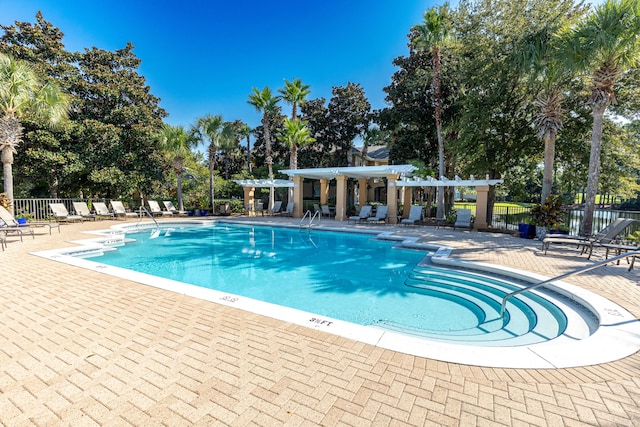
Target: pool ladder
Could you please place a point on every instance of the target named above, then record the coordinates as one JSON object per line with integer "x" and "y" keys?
{"x": 571, "y": 273}
{"x": 311, "y": 219}
{"x": 156, "y": 232}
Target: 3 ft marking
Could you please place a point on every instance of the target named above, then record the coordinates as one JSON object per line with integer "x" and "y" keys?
{"x": 229, "y": 298}
{"x": 320, "y": 322}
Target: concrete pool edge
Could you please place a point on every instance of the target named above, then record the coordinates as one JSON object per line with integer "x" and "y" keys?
{"x": 618, "y": 337}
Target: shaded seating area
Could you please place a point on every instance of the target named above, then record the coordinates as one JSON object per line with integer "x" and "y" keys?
{"x": 289, "y": 210}
{"x": 365, "y": 212}
{"x": 60, "y": 213}
{"x": 119, "y": 210}
{"x": 82, "y": 209}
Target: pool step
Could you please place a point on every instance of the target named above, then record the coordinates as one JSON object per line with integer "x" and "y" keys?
{"x": 529, "y": 318}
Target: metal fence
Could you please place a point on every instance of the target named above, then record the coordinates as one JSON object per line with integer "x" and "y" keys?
{"x": 38, "y": 209}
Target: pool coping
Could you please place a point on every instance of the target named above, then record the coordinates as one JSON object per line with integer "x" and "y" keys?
{"x": 617, "y": 337}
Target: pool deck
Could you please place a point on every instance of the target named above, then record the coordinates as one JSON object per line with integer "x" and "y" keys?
{"x": 81, "y": 348}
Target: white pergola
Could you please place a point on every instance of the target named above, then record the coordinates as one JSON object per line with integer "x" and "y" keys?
{"x": 396, "y": 176}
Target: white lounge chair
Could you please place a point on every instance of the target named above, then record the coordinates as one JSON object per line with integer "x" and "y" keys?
{"x": 365, "y": 211}
{"x": 82, "y": 209}
{"x": 415, "y": 215}
{"x": 11, "y": 224}
{"x": 380, "y": 216}
{"x": 156, "y": 210}
{"x": 61, "y": 213}
{"x": 463, "y": 219}
{"x": 102, "y": 211}
{"x": 168, "y": 204}
{"x": 119, "y": 210}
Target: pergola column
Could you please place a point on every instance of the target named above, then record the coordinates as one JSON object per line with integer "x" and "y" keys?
{"x": 298, "y": 193}
{"x": 362, "y": 191}
{"x": 482, "y": 201}
{"x": 324, "y": 191}
{"x": 341, "y": 198}
{"x": 392, "y": 198}
{"x": 408, "y": 199}
{"x": 249, "y": 194}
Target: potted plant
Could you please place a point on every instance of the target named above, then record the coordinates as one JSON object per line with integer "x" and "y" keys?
{"x": 547, "y": 215}
{"x": 527, "y": 230}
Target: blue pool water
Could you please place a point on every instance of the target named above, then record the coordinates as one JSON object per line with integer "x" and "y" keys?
{"x": 350, "y": 277}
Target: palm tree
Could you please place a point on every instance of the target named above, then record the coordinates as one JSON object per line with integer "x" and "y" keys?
{"x": 432, "y": 34}
{"x": 22, "y": 93}
{"x": 220, "y": 135}
{"x": 540, "y": 61}
{"x": 295, "y": 135}
{"x": 294, "y": 93}
{"x": 244, "y": 131}
{"x": 266, "y": 103}
{"x": 606, "y": 44}
{"x": 177, "y": 144}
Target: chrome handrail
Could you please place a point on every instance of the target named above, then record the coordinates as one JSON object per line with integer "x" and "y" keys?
{"x": 143, "y": 209}
{"x": 311, "y": 218}
{"x": 562, "y": 276}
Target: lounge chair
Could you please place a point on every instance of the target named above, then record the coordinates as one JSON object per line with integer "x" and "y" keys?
{"x": 275, "y": 210}
{"x": 326, "y": 211}
{"x": 155, "y": 209}
{"x": 463, "y": 219}
{"x": 289, "y": 210}
{"x": 10, "y": 223}
{"x": 82, "y": 209}
{"x": 415, "y": 215}
{"x": 168, "y": 204}
{"x": 102, "y": 211}
{"x": 605, "y": 236}
{"x": 61, "y": 213}
{"x": 119, "y": 210}
{"x": 380, "y": 216}
{"x": 365, "y": 212}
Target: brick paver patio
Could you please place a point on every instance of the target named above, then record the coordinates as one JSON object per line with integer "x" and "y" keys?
{"x": 81, "y": 348}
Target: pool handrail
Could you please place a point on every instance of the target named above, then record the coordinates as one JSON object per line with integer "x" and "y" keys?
{"x": 311, "y": 218}
{"x": 562, "y": 276}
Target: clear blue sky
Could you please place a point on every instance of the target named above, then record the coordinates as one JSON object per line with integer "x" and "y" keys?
{"x": 203, "y": 57}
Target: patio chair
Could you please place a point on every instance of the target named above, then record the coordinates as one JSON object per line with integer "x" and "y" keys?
{"x": 275, "y": 210}
{"x": 60, "y": 213}
{"x": 326, "y": 211}
{"x": 119, "y": 210}
{"x": 10, "y": 223}
{"x": 82, "y": 209}
{"x": 102, "y": 211}
{"x": 463, "y": 219}
{"x": 155, "y": 209}
{"x": 365, "y": 212}
{"x": 415, "y": 215}
{"x": 605, "y": 236}
{"x": 289, "y": 210}
{"x": 168, "y": 204}
{"x": 380, "y": 216}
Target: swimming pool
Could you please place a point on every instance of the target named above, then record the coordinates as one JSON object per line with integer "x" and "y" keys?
{"x": 368, "y": 289}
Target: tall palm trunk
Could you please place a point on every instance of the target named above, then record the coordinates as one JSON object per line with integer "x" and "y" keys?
{"x": 212, "y": 159}
{"x": 10, "y": 136}
{"x": 269, "y": 159}
{"x": 177, "y": 168}
{"x": 549, "y": 155}
{"x": 438, "y": 116}
{"x": 594, "y": 168}
{"x": 7, "y": 170}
